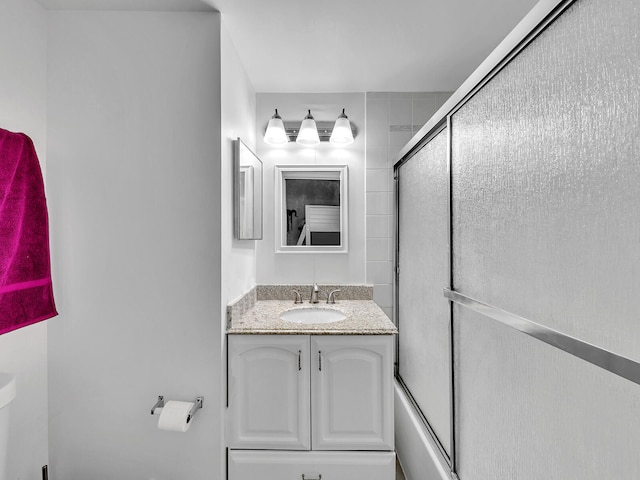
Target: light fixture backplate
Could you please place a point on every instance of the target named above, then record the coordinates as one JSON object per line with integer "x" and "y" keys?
{"x": 324, "y": 130}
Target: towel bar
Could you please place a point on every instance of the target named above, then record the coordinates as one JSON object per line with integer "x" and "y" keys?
{"x": 610, "y": 361}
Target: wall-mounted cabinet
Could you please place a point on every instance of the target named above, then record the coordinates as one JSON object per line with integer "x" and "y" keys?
{"x": 247, "y": 193}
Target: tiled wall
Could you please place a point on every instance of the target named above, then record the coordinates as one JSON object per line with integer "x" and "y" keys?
{"x": 391, "y": 120}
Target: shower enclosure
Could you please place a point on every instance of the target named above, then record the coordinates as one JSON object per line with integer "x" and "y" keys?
{"x": 518, "y": 256}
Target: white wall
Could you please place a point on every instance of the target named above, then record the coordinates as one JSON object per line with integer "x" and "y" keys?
{"x": 23, "y": 352}
{"x": 134, "y": 171}
{"x": 238, "y": 106}
{"x": 291, "y": 268}
{"x": 238, "y": 120}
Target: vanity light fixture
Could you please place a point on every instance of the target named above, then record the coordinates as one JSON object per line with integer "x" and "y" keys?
{"x": 276, "y": 134}
{"x": 308, "y": 134}
{"x": 342, "y": 134}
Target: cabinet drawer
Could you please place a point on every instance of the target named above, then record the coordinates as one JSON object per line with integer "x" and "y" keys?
{"x": 280, "y": 465}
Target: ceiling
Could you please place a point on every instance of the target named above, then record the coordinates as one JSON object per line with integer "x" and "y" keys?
{"x": 366, "y": 45}
{"x": 128, "y": 5}
{"x": 350, "y": 45}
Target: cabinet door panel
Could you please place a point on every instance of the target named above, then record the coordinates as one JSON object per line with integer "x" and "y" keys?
{"x": 352, "y": 395}
{"x": 269, "y": 391}
{"x": 250, "y": 465}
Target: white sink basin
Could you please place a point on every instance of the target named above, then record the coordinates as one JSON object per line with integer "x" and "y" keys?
{"x": 312, "y": 315}
{"x": 7, "y": 388}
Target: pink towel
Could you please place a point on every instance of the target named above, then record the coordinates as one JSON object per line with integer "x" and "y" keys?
{"x": 26, "y": 294}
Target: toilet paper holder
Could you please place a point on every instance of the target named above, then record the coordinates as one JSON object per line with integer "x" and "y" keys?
{"x": 197, "y": 404}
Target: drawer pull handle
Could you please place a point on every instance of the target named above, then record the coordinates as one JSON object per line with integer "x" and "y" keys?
{"x": 299, "y": 360}
{"x": 319, "y": 365}
{"x": 309, "y": 478}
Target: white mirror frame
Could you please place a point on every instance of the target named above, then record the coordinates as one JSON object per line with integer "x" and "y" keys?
{"x": 319, "y": 172}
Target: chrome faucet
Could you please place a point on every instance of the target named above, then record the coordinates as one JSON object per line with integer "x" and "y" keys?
{"x": 314, "y": 293}
{"x": 332, "y": 296}
{"x": 297, "y": 299}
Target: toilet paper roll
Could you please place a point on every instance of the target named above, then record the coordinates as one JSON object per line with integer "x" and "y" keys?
{"x": 174, "y": 416}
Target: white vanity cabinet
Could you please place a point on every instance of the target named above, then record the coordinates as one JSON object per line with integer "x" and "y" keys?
{"x": 308, "y": 404}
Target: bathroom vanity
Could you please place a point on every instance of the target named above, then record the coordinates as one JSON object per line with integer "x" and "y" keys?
{"x": 310, "y": 400}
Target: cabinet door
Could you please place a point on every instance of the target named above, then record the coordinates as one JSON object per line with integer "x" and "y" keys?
{"x": 268, "y": 379}
{"x": 352, "y": 395}
{"x": 265, "y": 465}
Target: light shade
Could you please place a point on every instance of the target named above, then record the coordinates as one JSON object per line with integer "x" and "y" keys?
{"x": 308, "y": 134}
{"x": 275, "y": 134}
{"x": 342, "y": 133}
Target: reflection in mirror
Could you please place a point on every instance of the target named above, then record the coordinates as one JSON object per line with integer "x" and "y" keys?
{"x": 312, "y": 211}
{"x": 247, "y": 169}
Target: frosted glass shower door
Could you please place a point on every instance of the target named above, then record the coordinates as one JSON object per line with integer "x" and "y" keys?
{"x": 423, "y": 261}
{"x": 546, "y": 207}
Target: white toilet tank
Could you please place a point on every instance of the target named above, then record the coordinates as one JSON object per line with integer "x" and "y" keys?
{"x": 7, "y": 393}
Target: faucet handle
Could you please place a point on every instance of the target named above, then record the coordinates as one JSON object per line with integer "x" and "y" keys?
{"x": 331, "y": 298}
{"x": 297, "y": 298}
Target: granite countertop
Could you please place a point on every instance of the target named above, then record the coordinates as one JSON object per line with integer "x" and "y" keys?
{"x": 364, "y": 317}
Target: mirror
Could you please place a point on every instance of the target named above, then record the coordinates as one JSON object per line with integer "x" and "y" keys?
{"x": 311, "y": 207}
{"x": 247, "y": 182}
